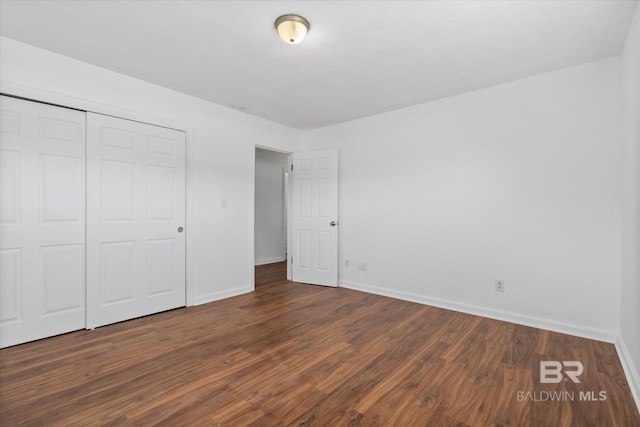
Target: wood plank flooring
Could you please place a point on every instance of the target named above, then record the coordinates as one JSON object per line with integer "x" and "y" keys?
{"x": 292, "y": 354}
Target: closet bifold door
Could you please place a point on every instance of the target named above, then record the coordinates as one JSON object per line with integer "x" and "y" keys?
{"x": 135, "y": 219}
{"x": 42, "y": 220}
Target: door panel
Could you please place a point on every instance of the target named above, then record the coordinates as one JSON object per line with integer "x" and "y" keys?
{"x": 62, "y": 268}
{"x": 117, "y": 276}
{"x": 315, "y": 208}
{"x": 62, "y": 184}
{"x": 161, "y": 272}
{"x": 160, "y": 195}
{"x": 135, "y": 204}
{"x": 9, "y": 187}
{"x": 11, "y": 289}
{"x": 117, "y": 181}
{"x": 42, "y": 223}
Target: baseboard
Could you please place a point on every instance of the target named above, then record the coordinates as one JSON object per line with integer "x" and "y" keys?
{"x": 269, "y": 261}
{"x": 227, "y": 293}
{"x": 630, "y": 370}
{"x": 535, "y": 322}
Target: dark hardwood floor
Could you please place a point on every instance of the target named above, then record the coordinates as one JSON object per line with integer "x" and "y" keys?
{"x": 292, "y": 354}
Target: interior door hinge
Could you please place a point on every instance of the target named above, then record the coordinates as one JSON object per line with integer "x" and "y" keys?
{"x": 291, "y": 166}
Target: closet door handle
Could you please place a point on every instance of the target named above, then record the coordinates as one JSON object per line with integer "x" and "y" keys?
{"x": 180, "y": 229}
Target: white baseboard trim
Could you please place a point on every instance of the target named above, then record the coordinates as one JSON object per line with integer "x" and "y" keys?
{"x": 630, "y": 370}
{"x": 535, "y": 322}
{"x": 227, "y": 293}
{"x": 269, "y": 261}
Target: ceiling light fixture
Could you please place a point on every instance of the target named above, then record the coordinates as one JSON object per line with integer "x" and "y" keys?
{"x": 292, "y": 28}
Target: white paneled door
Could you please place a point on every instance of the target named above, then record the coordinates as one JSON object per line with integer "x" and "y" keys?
{"x": 135, "y": 219}
{"x": 42, "y": 220}
{"x": 314, "y": 254}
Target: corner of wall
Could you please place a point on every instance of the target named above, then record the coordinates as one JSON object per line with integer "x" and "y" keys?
{"x": 227, "y": 293}
{"x": 629, "y": 368}
{"x": 304, "y": 141}
{"x": 628, "y": 341}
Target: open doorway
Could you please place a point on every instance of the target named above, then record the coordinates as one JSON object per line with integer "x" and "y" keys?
{"x": 271, "y": 215}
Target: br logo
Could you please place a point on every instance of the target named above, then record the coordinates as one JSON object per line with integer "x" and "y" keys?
{"x": 552, "y": 371}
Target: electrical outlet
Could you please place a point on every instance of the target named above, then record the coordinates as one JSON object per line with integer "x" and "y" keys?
{"x": 499, "y": 285}
{"x": 362, "y": 266}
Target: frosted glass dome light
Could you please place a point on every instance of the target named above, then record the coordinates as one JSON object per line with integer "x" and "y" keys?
{"x": 292, "y": 28}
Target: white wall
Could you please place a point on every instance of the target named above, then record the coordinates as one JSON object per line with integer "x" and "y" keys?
{"x": 270, "y": 237}
{"x": 518, "y": 182}
{"x": 221, "y": 152}
{"x": 630, "y": 296}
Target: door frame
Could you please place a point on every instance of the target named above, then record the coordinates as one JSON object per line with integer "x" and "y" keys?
{"x": 252, "y": 213}
{"x": 31, "y": 93}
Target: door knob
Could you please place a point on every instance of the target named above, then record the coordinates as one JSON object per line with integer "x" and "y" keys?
{"x": 180, "y": 229}
{"x": 332, "y": 223}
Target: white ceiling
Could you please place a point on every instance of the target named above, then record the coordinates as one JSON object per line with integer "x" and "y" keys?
{"x": 360, "y": 57}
